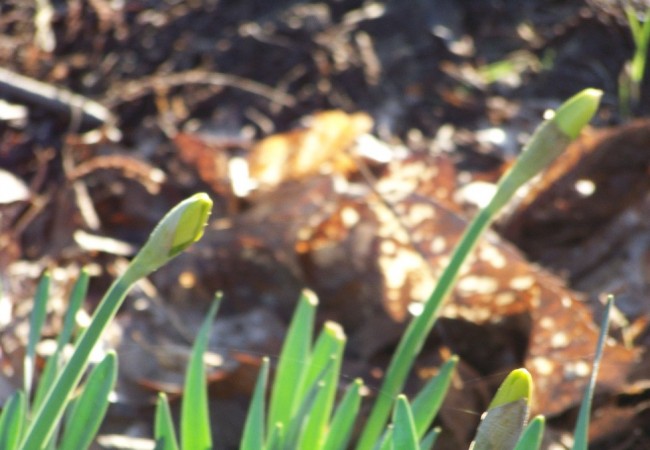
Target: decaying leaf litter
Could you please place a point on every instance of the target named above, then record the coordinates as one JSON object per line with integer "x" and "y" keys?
{"x": 345, "y": 145}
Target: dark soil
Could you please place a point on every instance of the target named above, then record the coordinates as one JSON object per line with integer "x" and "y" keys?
{"x": 363, "y": 209}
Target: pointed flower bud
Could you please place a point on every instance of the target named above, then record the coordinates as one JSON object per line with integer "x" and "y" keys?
{"x": 549, "y": 141}
{"x": 517, "y": 385}
{"x": 181, "y": 227}
{"x": 576, "y": 112}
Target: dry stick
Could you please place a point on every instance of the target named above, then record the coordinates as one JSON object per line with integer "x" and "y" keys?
{"x": 133, "y": 90}
{"x": 56, "y": 100}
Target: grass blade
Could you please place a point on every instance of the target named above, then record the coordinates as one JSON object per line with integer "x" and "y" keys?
{"x": 531, "y": 438}
{"x": 276, "y": 436}
{"x": 195, "y": 415}
{"x": 297, "y": 422}
{"x": 328, "y": 350}
{"x": 581, "y": 432}
{"x": 164, "y": 433}
{"x": 429, "y": 439}
{"x": 340, "y": 430}
{"x": 253, "y": 436}
{"x": 427, "y": 403}
{"x": 404, "y": 435}
{"x": 292, "y": 365}
{"x": 53, "y": 365}
{"x": 87, "y": 413}
{"x": 548, "y": 141}
{"x": 12, "y": 421}
{"x": 36, "y": 321}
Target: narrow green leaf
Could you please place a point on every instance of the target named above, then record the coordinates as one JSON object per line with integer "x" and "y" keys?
{"x": 298, "y": 420}
{"x": 75, "y": 301}
{"x": 36, "y": 321}
{"x": 292, "y": 365}
{"x": 53, "y": 364}
{"x": 404, "y": 435}
{"x": 12, "y": 421}
{"x": 327, "y": 350}
{"x": 641, "y": 35}
{"x": 195, "y": 414}
{"x": 428, "y": 401}
{"x": 253, "y": 436}
{"x": 429, "y": 439}
{"x": 88, "y": 410}
{"x": 531, "y": 438}
{"x": 340, "y": 430}
{"x": 164, "y": 433}
{"x": 633, "y": 22}
{"x": 581, "y": 433}
{"x": 276, "y": 436}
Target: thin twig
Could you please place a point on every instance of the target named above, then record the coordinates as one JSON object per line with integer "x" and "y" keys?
{"x": 133, "y": 90}
{"x": 57, "y": 100}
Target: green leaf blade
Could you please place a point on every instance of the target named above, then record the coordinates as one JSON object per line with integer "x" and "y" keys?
{"x": 340, "y": 430}
{"x": 53, "y": 364}
{"x": 292, "y": 365}
{"x": 88, "y": 411}
{"x": 13, "y": 420}
{"x": 37, "y": 319}
{"x": 531, "y": 438}
{"x": 164, "y": 433}
{"x": 581, "y": 432}
{"x": 404, "y": 434}
{"x": 195, "y": 415}
{"x": 328, "y": 350}
{"x": 254, "y": 434}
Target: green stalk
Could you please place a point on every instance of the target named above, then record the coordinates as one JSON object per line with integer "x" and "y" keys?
{"x": 549, "y": 140}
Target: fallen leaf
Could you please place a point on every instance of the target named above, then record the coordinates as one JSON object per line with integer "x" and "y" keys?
{"x": 322, "y": 147}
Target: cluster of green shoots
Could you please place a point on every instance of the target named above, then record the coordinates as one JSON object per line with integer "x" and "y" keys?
{"x": 302, "y": 411}
{"x": 631, "y": 77}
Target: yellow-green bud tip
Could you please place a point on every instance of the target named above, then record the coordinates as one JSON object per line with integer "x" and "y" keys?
{"x": 577, "y": 111}
{"x": 517, "y": 385}
{"x": 194, "y": 216}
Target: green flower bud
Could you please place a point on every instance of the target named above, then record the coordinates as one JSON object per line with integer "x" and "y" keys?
{"x": 576, "y": 112}
{"x": 517, "y": 385}
{"x": 181, "y": 227}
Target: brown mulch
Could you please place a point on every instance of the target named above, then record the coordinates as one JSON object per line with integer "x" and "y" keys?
{"x": 346, "y": 145}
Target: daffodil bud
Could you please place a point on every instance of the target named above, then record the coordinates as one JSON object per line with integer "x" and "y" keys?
{"x": 507, "y": 414}
{"x": 181, "y": 227}
{"x": 549, "y": 141}
{"x": 517, "y": 385}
